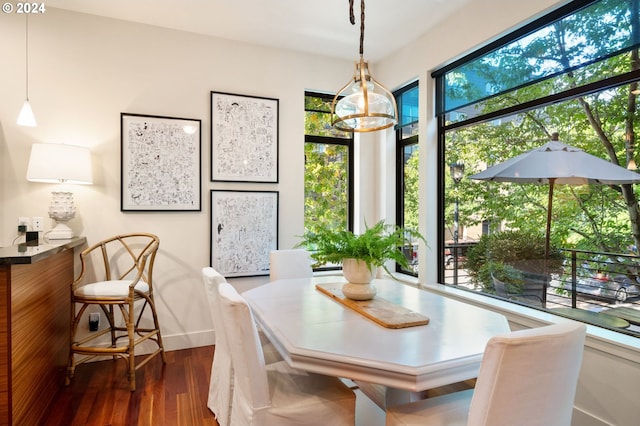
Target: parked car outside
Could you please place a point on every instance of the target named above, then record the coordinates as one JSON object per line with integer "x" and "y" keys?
{"x": 601, "y": 286}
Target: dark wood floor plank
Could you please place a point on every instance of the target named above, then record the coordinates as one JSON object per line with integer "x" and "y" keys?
{"x": 171, "y": 394}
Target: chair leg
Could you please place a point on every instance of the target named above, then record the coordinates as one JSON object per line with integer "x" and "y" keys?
{"x": 132, "y": 366}
{"x": 112, "y": 325}
{"x": 75, "y": 320}
{"x": 156, "y": 324}
{"x": 158, "y": 335}
{"x": 129, "y": 317}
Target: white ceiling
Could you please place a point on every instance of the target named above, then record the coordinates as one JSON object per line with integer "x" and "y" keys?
{"x": 318, "y": 26}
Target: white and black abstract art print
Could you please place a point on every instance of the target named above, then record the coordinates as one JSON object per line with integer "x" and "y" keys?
{"x": 244, "y": 138}
{"x": 244, "y": 229}
{"x": 160, "y": 163}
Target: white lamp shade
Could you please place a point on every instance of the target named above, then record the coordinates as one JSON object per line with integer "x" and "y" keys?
{"x": 56, "y": 163}
{"x": 26, "y": 117}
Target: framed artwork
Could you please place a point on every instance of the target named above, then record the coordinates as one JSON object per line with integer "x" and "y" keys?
{"x": 244, "y": 138}
{"x": 160, "y": 163}
{"x": 244, "y": 229}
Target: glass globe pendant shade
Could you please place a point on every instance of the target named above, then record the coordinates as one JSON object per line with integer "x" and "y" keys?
{"x": 363, "y": 104}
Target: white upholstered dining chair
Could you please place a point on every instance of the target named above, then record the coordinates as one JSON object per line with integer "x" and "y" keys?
{"x": 290, "y": 263}
{"x": 221, "y": 380}
{"x": 276, "y": 394}
{"x": 527, "y": 378}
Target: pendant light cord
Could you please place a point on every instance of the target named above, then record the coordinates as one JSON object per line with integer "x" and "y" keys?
{"x": 27, "y": 54}
{"x": 352, "y": 19}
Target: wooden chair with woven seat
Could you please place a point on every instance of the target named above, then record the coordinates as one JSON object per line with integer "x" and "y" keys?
{"x": 120, "y": 271}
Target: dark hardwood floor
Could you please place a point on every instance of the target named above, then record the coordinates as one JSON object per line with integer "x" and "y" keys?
{"x": 174, "y": 394}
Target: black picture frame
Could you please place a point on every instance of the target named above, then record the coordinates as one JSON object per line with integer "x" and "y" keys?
{"x": 244, "y": 229}
{"x": 244, "y": 138}
{"x": 160, "y": 163}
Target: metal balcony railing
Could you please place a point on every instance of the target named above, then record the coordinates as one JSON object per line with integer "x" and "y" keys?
{"x": 587, "y": 285}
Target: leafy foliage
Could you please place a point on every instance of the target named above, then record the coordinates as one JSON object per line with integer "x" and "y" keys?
{"x": 590, "y": 217}
{"x": 411, "y": 182}
{"x": 505, "y": 254}
{"x": 326, "y": 173}
{"x": 326, "y": 187}
{"x": 375, "y": 246}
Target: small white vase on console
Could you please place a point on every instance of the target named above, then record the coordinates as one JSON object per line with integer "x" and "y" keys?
{"x": 61, "y": 210}
{"x": 359, "y": 276}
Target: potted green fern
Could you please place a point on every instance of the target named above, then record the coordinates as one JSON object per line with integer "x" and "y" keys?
{"x": 360, "y": 255}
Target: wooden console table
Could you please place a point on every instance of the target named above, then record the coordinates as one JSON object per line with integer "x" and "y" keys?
{"x": 34, "y": 327}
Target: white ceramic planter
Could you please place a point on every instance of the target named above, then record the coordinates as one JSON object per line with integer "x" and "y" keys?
{"x": 359, "y": 276}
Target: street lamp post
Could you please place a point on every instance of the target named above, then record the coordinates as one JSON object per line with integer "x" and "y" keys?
{"x": 457, "y": 172}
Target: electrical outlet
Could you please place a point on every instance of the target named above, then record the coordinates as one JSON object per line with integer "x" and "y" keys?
{"x": 36, "y": 223}
{"x": 94, "y": 321}
{"x": 24, "y": 221}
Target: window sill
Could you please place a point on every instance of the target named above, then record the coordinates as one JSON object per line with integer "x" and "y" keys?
{"x": 618, "y": 344}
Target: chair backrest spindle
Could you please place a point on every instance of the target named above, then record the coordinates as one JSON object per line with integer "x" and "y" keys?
{"x": 139, "y": 248}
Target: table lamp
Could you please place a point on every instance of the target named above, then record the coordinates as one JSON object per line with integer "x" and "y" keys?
{"x": 60, "y": 163}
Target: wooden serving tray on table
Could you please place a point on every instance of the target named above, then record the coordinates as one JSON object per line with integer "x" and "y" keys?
{"x": 379, "y": 310}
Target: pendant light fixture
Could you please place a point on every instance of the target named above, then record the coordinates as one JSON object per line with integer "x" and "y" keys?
{"x": 363, "y": 104}
{"x": 26, "y": 117}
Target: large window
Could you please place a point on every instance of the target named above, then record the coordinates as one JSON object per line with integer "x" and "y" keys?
{"x": 407, "y": 177}
{"x": 328, "y": 173}
{"x": 574, "y": 72}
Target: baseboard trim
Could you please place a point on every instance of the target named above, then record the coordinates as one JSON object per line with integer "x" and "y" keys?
{"x": 175, "y": 342}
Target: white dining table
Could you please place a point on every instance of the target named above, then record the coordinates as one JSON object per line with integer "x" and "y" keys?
{"x": 316, "y": 333}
